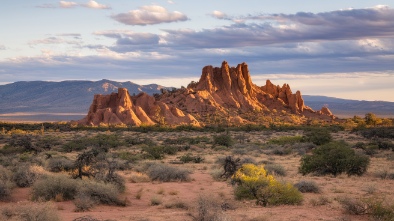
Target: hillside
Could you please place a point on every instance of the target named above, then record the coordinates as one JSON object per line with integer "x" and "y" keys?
{"x": 61, "y": 97}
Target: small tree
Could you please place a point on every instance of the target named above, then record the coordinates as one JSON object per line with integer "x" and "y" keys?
{"x": 334, "y": 158}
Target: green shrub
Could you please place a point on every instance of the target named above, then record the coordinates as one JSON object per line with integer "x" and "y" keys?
{"x": 254, "y": 182}
{"x": 385, "y": 145}
{"x": 286, "y": 140}
{"x": 165, "y": 173}
{"x": 58, "y": 187}
{"x": 381, "y": 211}
{"x": 24, "y": 176}
{"x": 59, "y": 164}
{"x": 153, "y": 152}
{"x": 334, "y": 158}
{"x": 29, "y": 212}
{"x": 187, "y": 158}
{"x": 223, "y": 140}
{"x": 317, "y": 136}
{"x": 305, "y": 186}
{"x": 170, "y": 150}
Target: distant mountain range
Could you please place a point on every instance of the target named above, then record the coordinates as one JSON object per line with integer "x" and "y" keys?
{"x": 66, "y": 100}
{"x": 69, "y": 100}
{"x": 349, "y": 108}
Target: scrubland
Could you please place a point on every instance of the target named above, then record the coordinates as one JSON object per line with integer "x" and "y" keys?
{"x": 280, "y": 173}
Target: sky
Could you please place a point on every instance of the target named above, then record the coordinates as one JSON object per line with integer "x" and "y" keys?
{"x": 334, "y": 48}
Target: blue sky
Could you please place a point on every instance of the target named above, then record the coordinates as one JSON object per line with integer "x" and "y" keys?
{"x": 334, "y": 48}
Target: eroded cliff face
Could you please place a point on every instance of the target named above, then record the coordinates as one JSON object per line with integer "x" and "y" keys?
{"x": 121, "y": 108}
{"x": 224, "y": 91}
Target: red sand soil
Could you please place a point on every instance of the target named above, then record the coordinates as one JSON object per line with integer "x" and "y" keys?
{"x": 202, "y": 184}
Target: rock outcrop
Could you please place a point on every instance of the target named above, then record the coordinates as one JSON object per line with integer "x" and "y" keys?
{"x": 223, "y": 92}
{"x": 121, "y": 108}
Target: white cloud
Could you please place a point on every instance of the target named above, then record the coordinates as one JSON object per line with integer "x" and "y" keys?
{"x": 170, "y": 2}
{"x": 219, "y": 15}
{"x": 95, "y": 5}
{"x": 64, "y": 4}
{"x": 149, "y": 15}
{"x": 2, "y": 47}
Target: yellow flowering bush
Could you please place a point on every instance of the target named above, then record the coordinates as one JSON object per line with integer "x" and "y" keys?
{"x": 253, "y": 182}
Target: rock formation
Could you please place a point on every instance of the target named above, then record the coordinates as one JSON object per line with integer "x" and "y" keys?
{"x": 121, "y": 108}
{"x": 224, "y": 92}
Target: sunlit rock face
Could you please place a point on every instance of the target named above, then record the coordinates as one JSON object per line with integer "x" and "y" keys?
{"x": 220, "y": 90}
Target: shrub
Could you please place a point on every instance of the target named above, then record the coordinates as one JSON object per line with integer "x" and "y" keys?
{"x": 253, "y": 182}
{"x": 223, "y": 140}
{"x": 153, "y": 152}
{"x": 5, "y": 183}
{"x": 170, "y": 150}
{"x": 207, "y": 209}
{"x": 187, "y": 158}
{"x": 29, "y": 212}
{"x": 380, "y": 211}
{"x": 83, "y": 202}
{"x": 334, "y": 158}
{"x": 385, "y": 145}
{"x": 54, "y": 187}
{"x": 286, "y": 140}
{"x": 24, "y": 176}
{"x": 317, "y": 136}
{"x": 275, "y": 169}
{"x": 112, "y": 178}
{"x": 59, "y": 164}
{"x": 305, "y": 186}
{"x": 177, "y": 204}
{"x": 354, "y": 206}
{"x": 165, "y": 173}
{"x": 101, "y": 192}
{"x": 155, "y": 201}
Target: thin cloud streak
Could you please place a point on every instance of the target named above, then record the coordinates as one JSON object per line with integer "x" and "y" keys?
{"x": 149, "y": 15}
{"x": 68, "y": 5}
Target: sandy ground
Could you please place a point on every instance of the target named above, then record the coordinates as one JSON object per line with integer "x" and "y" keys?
{"x": 323, "y": 206}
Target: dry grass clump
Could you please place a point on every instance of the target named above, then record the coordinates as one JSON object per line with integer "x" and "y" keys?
{"x": 165, "y": 173}
{"x": 29, "y": 212}
{"x": 207, "y": 209}
{"x": 5, "y": 183}
{"x": 307, "y": 186}
{"x": 26, "y": 175}
{"x": 58, "y": 187}
{"x": 177, "y": 205}
{"x": 137, "y": 177}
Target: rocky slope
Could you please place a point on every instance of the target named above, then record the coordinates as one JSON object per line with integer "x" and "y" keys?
{"x": 225, "y": 93}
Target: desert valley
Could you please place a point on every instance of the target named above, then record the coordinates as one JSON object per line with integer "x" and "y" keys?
{"x": 221, "y": 148}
